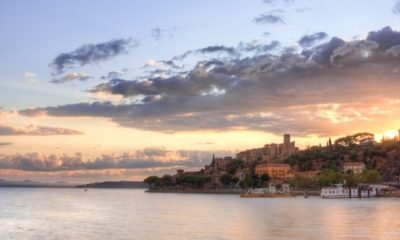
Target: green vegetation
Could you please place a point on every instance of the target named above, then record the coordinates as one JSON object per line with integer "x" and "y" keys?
{"x": 383, "y": 157}
{"x": 228, "y": 179}
{"x": 382, "y": 162}
{"x": 329, "y": 177}
{"x": 234, "y": 165}
{"x": 184, "y": 181}
{"x": 193, "y": 181}
{"x": 353, "y": 139}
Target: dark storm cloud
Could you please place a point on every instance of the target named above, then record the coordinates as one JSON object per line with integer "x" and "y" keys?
{"x": 90, "y": 53}
{"x": 311, "y": 39}
{"x": 323, "y": 89}
{"x": 36, "y": 131}
{"x": 70, "y": 77}
{"x": 269, "y": 19}
{"x": 140, "y": 159}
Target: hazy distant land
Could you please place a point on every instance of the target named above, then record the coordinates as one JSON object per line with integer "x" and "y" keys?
{"x": 120, "y": 184}
{"x": 108, "y": 184}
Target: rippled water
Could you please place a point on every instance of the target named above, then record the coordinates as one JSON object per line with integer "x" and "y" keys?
{"x": 134, "y": 214}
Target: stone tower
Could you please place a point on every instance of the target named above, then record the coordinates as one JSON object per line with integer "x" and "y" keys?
{"x": 286, "y": 140}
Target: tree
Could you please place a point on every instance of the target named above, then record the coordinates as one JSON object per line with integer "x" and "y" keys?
{"x": 370, "y": 176}
{"x": 167, "y": 180}
{"x": 329, "y": 177}
{"x": 234, "y": 165}
{"x": 248, "y": 181}
{"x": 153, "y": 181}
{"x": 264, "y": 178}
{"x": 226, "y": 179}
{"x": 193, "y": 181}
{"x": 354, "y": 139}
{"x": 351, "y": 179}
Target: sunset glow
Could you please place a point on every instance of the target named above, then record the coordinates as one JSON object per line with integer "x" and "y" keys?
{"x": 150, "y": 86}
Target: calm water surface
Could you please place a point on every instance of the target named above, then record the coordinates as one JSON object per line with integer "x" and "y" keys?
{"x": 133, "y": 214}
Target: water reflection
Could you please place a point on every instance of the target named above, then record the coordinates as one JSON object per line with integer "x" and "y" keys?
{"x": 133, "y": 214}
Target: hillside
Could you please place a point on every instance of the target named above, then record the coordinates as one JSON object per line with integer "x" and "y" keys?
{"x": 383, "y": 157}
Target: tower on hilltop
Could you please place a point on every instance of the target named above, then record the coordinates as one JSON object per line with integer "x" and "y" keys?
{"x": 286, "y": 139}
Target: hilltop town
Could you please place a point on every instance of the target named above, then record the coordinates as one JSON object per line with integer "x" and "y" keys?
{"x": 352, "y": 159}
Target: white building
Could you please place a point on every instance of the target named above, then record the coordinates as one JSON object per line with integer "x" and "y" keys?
{"x": 356, "y": 167}
{"x": 363, "y": 191}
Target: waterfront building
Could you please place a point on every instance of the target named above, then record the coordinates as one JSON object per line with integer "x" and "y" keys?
{"x": 274, "y": 170}
{"x": 356, "y": 167}
{"x": 361, "y": 191}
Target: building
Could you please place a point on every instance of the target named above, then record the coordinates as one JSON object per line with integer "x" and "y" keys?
{"x": 250, "y": 155}
{"x": 356, "y": 167}
{"x": 361, "y": 191}
{"x": 274, "y": 170}
{"x": 269, "y": 152}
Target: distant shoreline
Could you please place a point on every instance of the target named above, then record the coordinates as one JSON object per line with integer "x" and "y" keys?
{"x": 199, "y": 191}
{"x": 16, "y": 186}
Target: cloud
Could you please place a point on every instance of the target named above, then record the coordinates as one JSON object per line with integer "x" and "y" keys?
{"x": 216, "y": 48}
{"x": 269, "y": 19}
{"x": 159, "y": 33}
{"x": 274, "y": 2}
{"x": 140, "y": 159}
{"x": 156, "y": 33}
{"x": 327, "y": 89}
{"x": 311, "y": 39}
{"x": 196, "y": 83}
{"x": 29, "y": 75}
{"x": 396, "y": 8}
{"x": 36, "y": 131}
{"x": 257, "y": 47}
{"x": 115, "y": 74}
{"x": 74, "y": 76}
{"x": 5, "y": 144}
{"x": 91, "y": 53}
{"x": 303, "y": 9}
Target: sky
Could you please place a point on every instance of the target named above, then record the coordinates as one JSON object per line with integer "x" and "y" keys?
{"x": 119, "y": 90}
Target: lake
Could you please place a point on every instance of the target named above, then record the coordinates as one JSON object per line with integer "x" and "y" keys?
{"x": 39, "y": 213}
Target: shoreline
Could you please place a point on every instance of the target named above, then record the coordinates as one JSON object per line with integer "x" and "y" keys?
{"x": 198, "y": 191}
{"x": 220, "y": 191}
